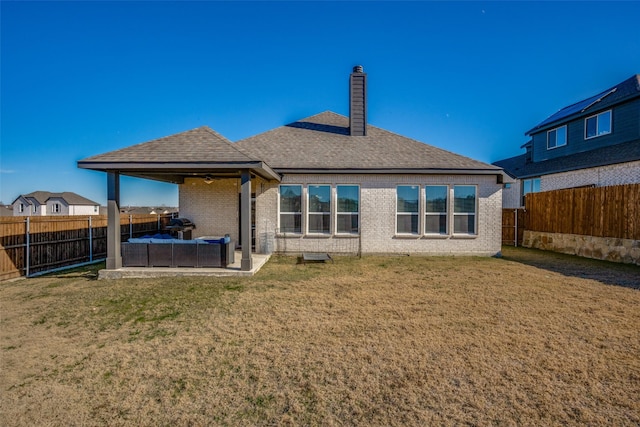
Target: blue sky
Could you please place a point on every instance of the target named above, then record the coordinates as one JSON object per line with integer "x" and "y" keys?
{"x": 84, "y": 78}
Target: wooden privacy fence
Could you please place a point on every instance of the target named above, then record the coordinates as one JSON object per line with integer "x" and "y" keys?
{"x": 513, "y": 226}
{"x": 593, "y": 211}
{"x": 31, "y": 245}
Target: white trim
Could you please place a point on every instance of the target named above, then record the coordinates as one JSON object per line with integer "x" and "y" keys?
{"x": 419, "y": 230}
{"x": 597, "y": 116}
{"x": 566, "y": 137}
{"x": 309, "y": 213}
{"x": 338, "y": 233}
{"x": 279, "y": 212}
{"x": 475, "y": 214}
{"x": 446, "y": 213}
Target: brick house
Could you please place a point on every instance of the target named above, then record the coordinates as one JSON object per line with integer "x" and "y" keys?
{"x": 326, "y": 183}
{"x": 594, "y": 142}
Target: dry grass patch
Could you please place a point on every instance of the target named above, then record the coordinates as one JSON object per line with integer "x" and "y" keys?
{"x": 374, "y": 341}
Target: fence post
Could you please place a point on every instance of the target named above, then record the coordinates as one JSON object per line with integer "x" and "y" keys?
{"x": 130, "y": 227}
{"x": 27, "y": 255}
{"x": 515, "y": 239}
{"x": 159, "y": 223}
{"x": 90, "y": 240}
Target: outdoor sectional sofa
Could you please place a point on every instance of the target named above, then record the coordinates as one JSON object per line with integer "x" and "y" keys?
{"x": 168, "y": 252}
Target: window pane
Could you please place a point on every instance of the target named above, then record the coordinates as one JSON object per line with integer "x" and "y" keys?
{"x": 290, "y": 223}
{"x": 464, "y": 199}
{"x": 561, "y": 136}
{"x": 290, "y": 198}
{"x": 551, "y": 139}
{"x": 436, "y": 224}
{"x": 408, "y": 223}
{"x": 319, "y": 198}
{"x": 464, "y": 224}
{"x": 436, "y": 198}
{"x": 347, "y": 223}
{"x": 592, "y": 124}
{"x": 408, "y": 198}
{"x": 604, "y": 123}
{"x": 348, "y": 198}
{"x": 535, "y": 185}
{"x": 319, "y": 223}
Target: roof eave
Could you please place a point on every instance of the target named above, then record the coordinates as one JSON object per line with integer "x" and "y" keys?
{"x": 393, "y": 171}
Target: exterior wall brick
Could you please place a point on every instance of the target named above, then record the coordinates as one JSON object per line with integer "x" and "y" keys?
{"x": 213, "y": 208}
{"x": 378, "y": 217}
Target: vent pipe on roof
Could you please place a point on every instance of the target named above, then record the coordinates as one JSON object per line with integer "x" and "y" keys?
{"x": 358, "y": 102}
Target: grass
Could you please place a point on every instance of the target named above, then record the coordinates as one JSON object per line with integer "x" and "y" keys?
{"x": 533, "y": 338}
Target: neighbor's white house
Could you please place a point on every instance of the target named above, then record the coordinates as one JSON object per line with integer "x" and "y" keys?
{"x": 325, "y": 183}
{"x": 45, "y": 203}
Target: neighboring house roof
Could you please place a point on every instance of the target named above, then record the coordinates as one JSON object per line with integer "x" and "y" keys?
{"x": 322, "y": 143}
{"x": 518, "y": 167}
{"x": 70, "y": 198}
{"x": 617, "y": 94}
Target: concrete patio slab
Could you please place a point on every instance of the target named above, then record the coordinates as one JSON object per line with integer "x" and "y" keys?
{"x": 147, "y": 272}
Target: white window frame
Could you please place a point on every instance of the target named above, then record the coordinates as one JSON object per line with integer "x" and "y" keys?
{"x": 597, "y": 118}
{"x": 566, "y": 136}
{"x": 350, "y": 214}
{"x": 21, "y": 208}
{"x": 416, "y": 214}
{"x": 446, "y": 212}
{"x": 310, "y": 214}
{"x": 301, "y": 213}
{"x": 55, "y": 208}
{"x": 458, "y": 214}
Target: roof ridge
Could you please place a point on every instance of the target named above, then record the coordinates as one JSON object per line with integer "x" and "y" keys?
{"x": 231, "y": 143}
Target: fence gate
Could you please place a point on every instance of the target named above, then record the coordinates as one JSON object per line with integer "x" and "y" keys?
{"x": 513, "y": 225}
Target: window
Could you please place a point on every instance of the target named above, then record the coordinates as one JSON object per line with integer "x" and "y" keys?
{"x": 21, "y": 207}
{"x": 597, "y": 125}
{"x": 319, "y": 209}
{"x": 407, "y": 209}
{"x": 557, "y": 137}
{"x": 34, "y": 209}
{"x": 348, "y": 212}
{"x": 436, "y": 209}
{"x": 55, "y": 208}
{"x": 291, "y": 208}
{"x": 530, "y": 186}
{"x": 464, "y": 209}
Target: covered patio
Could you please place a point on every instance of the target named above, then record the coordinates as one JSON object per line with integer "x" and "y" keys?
{"x": 200, "y": 153}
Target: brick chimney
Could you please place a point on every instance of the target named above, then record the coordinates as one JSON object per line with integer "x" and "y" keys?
{"x": 358, "y": 102}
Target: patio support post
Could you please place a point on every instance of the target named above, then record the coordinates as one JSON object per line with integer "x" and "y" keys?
{"x": 114, "y": 257}
{"x": 245, "y": 226}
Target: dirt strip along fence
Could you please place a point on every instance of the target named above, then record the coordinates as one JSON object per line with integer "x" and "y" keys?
{"x": 33, "y": 245}
{"x": 592, "y": 211}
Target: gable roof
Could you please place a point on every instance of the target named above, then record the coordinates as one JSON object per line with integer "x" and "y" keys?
{"x": 517, "y": 167}
{"x": 322, "y": 143}
{"x": 41, "y": 197}
{"x": 617, "y": 94}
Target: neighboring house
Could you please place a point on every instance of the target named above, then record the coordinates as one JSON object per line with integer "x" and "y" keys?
{"x": 45, "y": 203}
{"x": 326, "y": 183}
{"x": 594, "y": 142}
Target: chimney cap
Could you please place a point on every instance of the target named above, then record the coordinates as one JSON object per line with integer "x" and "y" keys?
{"x": 358, "y": 69}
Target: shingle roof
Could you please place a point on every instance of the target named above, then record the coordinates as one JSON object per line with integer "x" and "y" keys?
{"x": 621, "y": 92}
{"x": 517, "y": 166}
{"x": 322, "y": 142}
{"x": 202, "y": 144}
{"x": 70, "y": 198}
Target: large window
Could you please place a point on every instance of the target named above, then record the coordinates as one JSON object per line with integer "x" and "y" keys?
{"x": 557, "y": 137}
{"x": 436, "y": 209}
{"x": 530, "y": 186}
{"x": 408, "y": 209}
{"x": 291, "y": 209}
{"x": 319, "y": 209}
{"x": 597, "y": 125}
{"x": 348, "y": 212}
{"x": 464, "y": 209}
